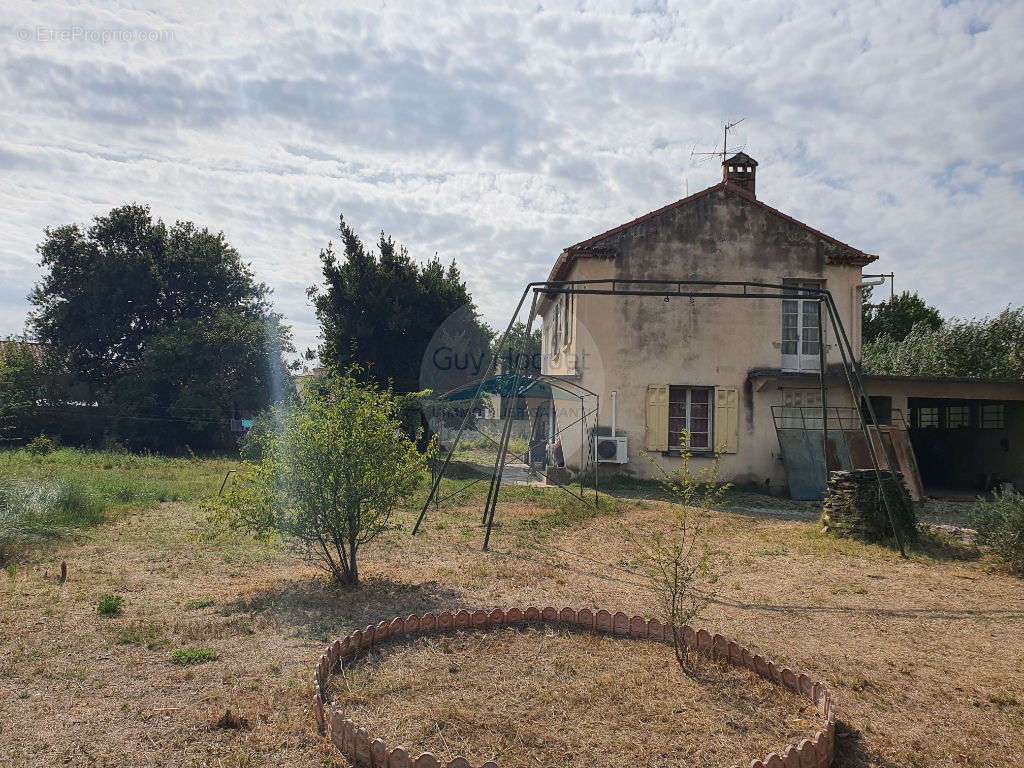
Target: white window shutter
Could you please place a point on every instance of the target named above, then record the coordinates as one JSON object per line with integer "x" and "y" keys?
{"x": 657, "y": 417}
{"x": 727, "y": 419}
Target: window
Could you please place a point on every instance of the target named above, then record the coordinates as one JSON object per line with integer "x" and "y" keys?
{"x": 568, "y": 317}
{"x": 562, "y": 323}
{"x": 801, "y": 408}
{"x": 958, "y": 417}
{"x": 993, "y": 416}
{"x": 556, "y": 328}
{"x": 689, "y": 411}
{"x": 881, "y": 405}
{"x": 801, "y": 335}
{"x": 928, "y": 417}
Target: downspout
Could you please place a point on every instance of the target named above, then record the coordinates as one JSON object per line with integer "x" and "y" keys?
{"x": 870, "y": 284}
{"x": 859, "y": 289}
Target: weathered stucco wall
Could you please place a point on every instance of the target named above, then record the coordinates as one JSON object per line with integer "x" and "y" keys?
{"x": 709, "y": 342}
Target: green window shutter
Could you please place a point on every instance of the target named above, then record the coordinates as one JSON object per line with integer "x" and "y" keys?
{"x": 727, "y": 419}
{"x": 657, "y": 417}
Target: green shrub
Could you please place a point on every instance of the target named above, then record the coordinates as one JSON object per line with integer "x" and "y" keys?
{"x": 110, "y": 605}
{"x": 41, "y": 446}
{"x": 1000, "y": 526}
{"x": 187, "y": 656}
{"x": 331, "y": 476}
{"x": 195, "y": 605}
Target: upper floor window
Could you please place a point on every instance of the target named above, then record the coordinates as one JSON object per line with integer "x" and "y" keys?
{"x": 801, "y": 332}
{"x": 562, "y": 322}
{"x": 556, "y": 327}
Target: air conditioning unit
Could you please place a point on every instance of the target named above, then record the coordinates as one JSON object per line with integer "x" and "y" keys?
{"x": 611, "y": 449}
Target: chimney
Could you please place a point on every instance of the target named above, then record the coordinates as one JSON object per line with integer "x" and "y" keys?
{"x": 739, "y": 171}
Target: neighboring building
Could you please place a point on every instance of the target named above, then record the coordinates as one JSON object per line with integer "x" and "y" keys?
{"x": 733, "y": 372}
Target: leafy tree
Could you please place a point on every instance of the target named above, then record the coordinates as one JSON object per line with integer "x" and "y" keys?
{"x": 972, "y": 348}
{"x": 379, "y": 310}
{"x": 522, "y": 351}
{"x": 154, "y": 320}
{"x": 21, "y": 386}
{"x": 194, "y": 376}
{"x": 895, "y": 318}
{"x": 330, "y": 474}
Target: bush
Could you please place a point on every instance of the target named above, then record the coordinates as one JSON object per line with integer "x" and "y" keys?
{"x": 188, "y": 656}
{"x": 41, "y": 446}
{"x": 330, "y": 475}
{"x": 1000, "y": 525}
{"x": 110, "y": 605}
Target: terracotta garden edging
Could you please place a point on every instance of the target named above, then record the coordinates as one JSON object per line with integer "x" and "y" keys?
{"x": 355, "y": 743}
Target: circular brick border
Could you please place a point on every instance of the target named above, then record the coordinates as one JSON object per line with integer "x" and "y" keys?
{"x": 355, "y": 743}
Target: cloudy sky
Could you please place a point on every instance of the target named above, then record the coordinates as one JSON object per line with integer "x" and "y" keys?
{"x": 497, "y": 135}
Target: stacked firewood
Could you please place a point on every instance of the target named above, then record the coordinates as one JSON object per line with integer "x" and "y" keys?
{"x": 854, "y": 507}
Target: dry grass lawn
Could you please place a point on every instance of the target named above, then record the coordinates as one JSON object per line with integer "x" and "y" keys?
{"x": 924, "y": 655}
{"x": 551, "y": 697}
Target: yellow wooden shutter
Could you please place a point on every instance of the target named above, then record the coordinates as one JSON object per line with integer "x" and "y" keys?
{"x": 657, "y": 417}
{"x": 727, "y": 419}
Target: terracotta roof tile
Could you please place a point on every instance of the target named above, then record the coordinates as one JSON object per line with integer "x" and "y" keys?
{"x": 589, "y": 247}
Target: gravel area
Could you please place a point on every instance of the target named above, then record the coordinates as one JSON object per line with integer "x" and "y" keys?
{"x": 952, "y": 515}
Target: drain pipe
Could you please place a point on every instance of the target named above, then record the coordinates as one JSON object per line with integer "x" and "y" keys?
{"x": 614, "y": 395}
{"x": 871, "y": 283}
{"x": 861, "y": 287}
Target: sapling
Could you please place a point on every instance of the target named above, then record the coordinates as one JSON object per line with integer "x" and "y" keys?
{"x": 674, "y": 553}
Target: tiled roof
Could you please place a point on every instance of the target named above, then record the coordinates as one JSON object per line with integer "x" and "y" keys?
{"x": 592, "y": 247}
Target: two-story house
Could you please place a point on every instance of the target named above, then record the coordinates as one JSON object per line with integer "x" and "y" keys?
{"x": 721, "y": 370}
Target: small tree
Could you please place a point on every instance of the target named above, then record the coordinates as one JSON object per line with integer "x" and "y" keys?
{"x": 675, "y": 555}
{"x": 895, "y": 318}
{"x": 330, "y": 474}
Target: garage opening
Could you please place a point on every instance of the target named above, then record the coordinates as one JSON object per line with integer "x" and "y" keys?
{"x": 965, "y": 446}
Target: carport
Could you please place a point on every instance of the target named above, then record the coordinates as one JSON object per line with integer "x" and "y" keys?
{"x": 967, "y": 434}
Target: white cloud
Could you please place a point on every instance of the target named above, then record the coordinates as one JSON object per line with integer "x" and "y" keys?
{"x": 497, "y": 136}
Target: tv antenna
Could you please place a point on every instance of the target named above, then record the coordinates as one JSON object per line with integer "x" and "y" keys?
{"x": 726, "y": 149}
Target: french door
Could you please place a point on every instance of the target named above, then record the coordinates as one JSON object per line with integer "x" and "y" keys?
{"x": 801, "y": 335}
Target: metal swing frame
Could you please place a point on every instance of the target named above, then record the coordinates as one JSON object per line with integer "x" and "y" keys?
{"x": 692, "y": 289}
{"x": 554, "y": 382}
